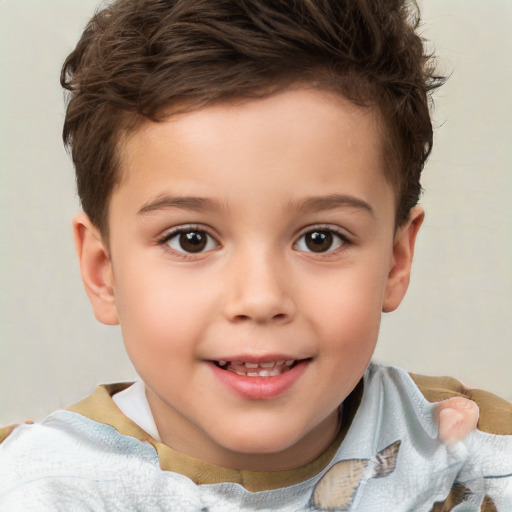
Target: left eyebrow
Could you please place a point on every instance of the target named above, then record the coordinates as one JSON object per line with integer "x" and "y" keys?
{"x": 322, "y": 203}
{"x": 164, "y": 202}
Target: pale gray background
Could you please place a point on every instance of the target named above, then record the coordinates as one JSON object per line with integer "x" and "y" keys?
{"x": 457, "y": 317}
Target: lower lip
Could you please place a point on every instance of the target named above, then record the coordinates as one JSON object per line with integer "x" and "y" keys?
{"x": 260, "y": 388}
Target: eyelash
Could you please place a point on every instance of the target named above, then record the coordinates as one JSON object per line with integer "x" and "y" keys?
{"x": 342, "y": 240}
{"x": 175, "y": 233}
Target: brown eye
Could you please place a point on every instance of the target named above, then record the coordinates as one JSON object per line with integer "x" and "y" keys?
{"x": 320, "y": 240}
{"x": 191, "y": 241}
{"x": 195, "y": 241}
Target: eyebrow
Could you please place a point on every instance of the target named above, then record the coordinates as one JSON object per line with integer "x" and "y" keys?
{"x": 322, "y": 203}
{"x": 164, "y": 202}
{"x": 311, "y": 204}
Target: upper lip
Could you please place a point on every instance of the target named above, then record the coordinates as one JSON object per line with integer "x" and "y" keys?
{"x": 252, "y": 358}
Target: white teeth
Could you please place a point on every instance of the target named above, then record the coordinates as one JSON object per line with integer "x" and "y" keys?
{"x": 267, "y": 369}
{"x": 271, "y": 372}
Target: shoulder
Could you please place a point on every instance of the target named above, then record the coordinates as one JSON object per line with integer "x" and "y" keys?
{"x": 34, "y": 440}
{"x": 64, "y": 436}
{"x": 25, "y": 455}
{"x": 5, "y": 432}
{"x": 405, "y": 405}
{"x": 495, "y": 412}
{"x": 68, "y": 455}
{"x": 416, "y": 391}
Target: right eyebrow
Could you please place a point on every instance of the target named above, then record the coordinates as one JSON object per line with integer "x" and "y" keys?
{"x": 165, "y": 202}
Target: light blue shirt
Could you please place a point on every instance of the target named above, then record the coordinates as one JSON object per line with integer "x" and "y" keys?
{"x": 389, "y": 461}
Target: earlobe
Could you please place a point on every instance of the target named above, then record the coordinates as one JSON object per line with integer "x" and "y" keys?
{"x": 96, "y": 269}
{"x": 403, "y": 251}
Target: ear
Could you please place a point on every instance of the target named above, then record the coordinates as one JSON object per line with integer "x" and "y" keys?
{"x": 403, "y": 251}
{"x": 96, "y": 269}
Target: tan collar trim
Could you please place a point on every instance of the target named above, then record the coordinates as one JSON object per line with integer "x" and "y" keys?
{"x": 101, "y": 408}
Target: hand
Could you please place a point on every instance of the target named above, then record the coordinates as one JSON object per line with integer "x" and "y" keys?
{"x": 457, "y": 417}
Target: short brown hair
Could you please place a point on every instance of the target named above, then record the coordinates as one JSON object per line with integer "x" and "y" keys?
{"x": 139, "y": 57}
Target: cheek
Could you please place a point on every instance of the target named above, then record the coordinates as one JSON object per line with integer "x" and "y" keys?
{"x": 347, "y": 309}
{"x": 151, "y": 294}
{"x": 163, "y": 312}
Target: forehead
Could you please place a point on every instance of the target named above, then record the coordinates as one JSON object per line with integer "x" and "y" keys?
{"x": 304, "y": 141}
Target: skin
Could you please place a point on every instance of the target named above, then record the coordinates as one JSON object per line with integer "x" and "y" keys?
{"x": 457, "y": 417}
{"x": 269, "y": 169}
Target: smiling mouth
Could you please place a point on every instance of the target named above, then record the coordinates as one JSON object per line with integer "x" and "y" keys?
{"x": 267, "y": 369}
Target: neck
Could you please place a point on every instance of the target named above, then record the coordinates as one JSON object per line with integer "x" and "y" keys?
{"x": 185, "y": 438}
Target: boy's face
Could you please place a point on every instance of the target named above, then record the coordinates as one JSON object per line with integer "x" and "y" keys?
{"x": 255, "y": 237}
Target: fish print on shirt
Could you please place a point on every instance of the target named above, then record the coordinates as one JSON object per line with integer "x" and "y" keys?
{"x": 337, "y": 489}
{"x": 461, "y": 493}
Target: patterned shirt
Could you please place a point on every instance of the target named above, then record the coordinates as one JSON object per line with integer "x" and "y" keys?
{"x": 386, "y": 457}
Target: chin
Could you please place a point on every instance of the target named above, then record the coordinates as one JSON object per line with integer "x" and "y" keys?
{"x": 258, "y": 441}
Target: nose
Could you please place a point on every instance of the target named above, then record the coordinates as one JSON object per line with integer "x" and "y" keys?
{"x": 260, "y": 290}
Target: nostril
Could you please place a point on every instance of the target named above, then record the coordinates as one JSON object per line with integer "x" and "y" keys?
{"x": 242, "y": 318}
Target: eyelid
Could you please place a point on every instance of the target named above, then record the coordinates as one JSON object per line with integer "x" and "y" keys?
{"x": 335, "y": 230}
{"x": 185, "y": 228}
{"x": 170, "y": 232}
{"x": 343, "y": 233}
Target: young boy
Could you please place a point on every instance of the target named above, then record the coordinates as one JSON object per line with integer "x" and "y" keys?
{"x": 249, "y": 175}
